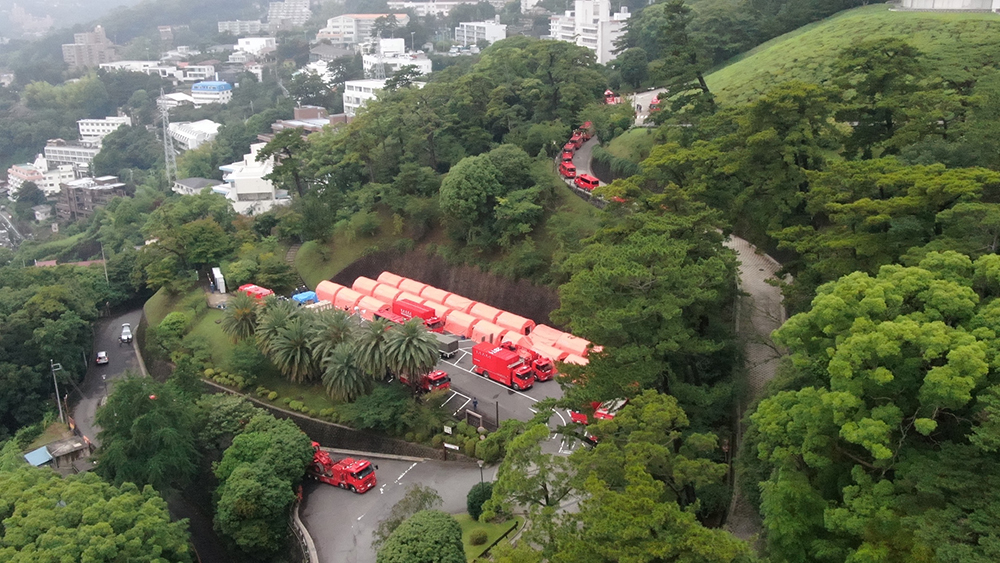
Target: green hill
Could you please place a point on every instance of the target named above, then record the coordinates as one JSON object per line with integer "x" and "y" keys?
{"x": 958, "y": 46}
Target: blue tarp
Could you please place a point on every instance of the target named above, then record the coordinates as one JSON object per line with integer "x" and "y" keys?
{"x": 41, "y": 456}
{"x": 305, "y": 297}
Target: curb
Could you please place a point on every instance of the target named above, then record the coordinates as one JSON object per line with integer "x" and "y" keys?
{"x": 371, "y": 454}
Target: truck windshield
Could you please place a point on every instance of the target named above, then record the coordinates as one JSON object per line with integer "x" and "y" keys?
{"x": 360, "y": 475}
{"x": 440, "y": 382}
{"x": 435, "y": 325}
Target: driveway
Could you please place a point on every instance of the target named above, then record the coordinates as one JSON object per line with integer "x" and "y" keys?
{"x": 100, "y": 379}
{"x": 643, "y": 99}
{"x": 341, "y": 523}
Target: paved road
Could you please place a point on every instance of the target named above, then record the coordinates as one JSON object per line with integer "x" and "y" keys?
{"x": 643, "y": 99}
{"x": 341, "y": 523}
{"x": 121, "y": 357}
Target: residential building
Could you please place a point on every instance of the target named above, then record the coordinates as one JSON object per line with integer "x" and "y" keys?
{"x": 80, "y": 198}
{"x": 436, "y": 7}
{"x": 67, "y": 456}
{"x": 310, "y": 119}
{"x": 256, "y": 46}
{"x": 145, "y": 67}
{"x": 321, "y": 52}
{"x": 59, "y": 151}
{"x": 247, "y": 189}
{"x": 393, "y": 63}
{"x": 471, "y": 33}
{"x": 42, "y": 212}
{"x": 239, "y": 27}
{"x": 964, "y": 5}
{"x": 194, "y": 73}
{"x": 175, "y": 99}
{"x": 192, "y": 134}
{"x": 351, "y": 29}
{"x": 94, "y": 130}
{"x": 166, "y": 33}
{"x": 357, "y": 92}
{"x": 46, "y": 177}
{"x": 211, "y": 92}
{"x": 592, "y": 25}
{"x": 241, "y": 57}
{"x": 89, "y": 49}
{"x": 19, "y": 174}
{"x": 289, "y": 13}
{"x": 194, "y": 186}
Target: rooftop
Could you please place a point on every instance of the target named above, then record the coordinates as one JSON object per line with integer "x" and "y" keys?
{"x": 198, "y": 183}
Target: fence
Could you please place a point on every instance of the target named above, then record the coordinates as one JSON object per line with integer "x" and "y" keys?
{"x": 302, "y": 536}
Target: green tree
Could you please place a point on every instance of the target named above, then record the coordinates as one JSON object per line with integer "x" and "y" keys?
{"x": 147, "y": 435}
{"x": 429, "y": 536}
{"x": 253, "y": 509}
{"x": 478, "y": 494}
{"x": 633, "y": 64}
{"x": 240, "y": 318}
{"x": 274, "y": 318}
{"x": 370, "y": 348}
{"x": 528, "y": 477}
{"x": 411, "y": 351}
{"x": 417, "y": 498}
{"x": 343, "y": 376}
{"x": 290, "y": 351}
{"x": 684, "y": 60}
{"x": 328, "y": 330}
{"x": 127, "y": 147}
{"x": 27, "y": 197}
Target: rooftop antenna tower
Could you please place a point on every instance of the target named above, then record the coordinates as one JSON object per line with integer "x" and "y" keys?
{"x": 379, "y": 66}
{"x": 169, "y": 154}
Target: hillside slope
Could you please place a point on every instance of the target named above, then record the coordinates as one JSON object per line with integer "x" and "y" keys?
{"x": 958, "y": 46}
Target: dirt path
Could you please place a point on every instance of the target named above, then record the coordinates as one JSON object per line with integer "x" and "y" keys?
{"x": 760, "y": 312}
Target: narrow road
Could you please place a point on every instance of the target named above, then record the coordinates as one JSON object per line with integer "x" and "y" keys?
{"x": 643, "y": 99}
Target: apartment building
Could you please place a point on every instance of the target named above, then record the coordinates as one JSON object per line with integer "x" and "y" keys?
{"x": 60, "y": 151}
{"x": 436, "y": 7}
{"x": 394, "y": 57}
{"x": 351, "y": 29}
{"x": 78, "y": 199}
{"x": 256, "y": 46}
{"x": 192, "y": 134}
{"x": 471, "y": 33}
{"x": 288, "y": 13}
{"x": 94, "y": 130}
{"x": 211, "y": 92}
{"x": 248, "y": 190}
{"x": 89, "y": 49}
{"x": 240, "y": 27}
{"x": 309, "y": 119}
{"x": 592, "y": 25}
{"x": 357, "y": 92}
{"x": 47, "y": 177}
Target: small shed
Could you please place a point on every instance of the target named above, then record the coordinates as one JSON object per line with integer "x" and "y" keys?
{"x": 39, "y": 457}
{"x": 516, "y": 323}
{"x": 386, "y": 293}
{"x": 305, "y": 298}
{"x": 368, "y": 307}
{"x": 572, "y": 344}
{"x": 459, "y": 303}
{"x": 485, "y": 312}
{"x": 546, "y": 334}
{"x": 460, "y": 324}
{"x": 364, "y": 286}
{"x": 550, "y": 352}
{"x": 413, "y": 286}
{"x": 347, "y": 299}
{"x": 434, "y": 294}
{"x": 327, "y": 291}
{"x": 574, "y": 359}
{"x": 485, "y": 331}
{"x": 410, "y": 297}
{"x": 390, "y": 278}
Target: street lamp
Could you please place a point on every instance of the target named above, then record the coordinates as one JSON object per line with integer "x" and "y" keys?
{"x": 480, "y": 463}
{"x": 57, "y": 367}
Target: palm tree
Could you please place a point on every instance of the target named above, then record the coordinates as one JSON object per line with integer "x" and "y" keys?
{"x": 370, "y": 348}
{"x": 240, "y": 318}
{"x": 411, "y": 351}
{"x": 343, "y": 377}
{"x": 290, "y": 351}
{"x": 275, "y": 316}
{"x": 327, "y": 330}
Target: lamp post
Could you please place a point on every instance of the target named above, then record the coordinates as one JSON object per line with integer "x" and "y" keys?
{"x": 480, "y": 463}
{"x": 413, "y": 47}
{"x": 57, "y": 367}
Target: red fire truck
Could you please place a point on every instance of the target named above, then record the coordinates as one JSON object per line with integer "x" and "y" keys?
{"x": 567, "y": 170}
{"x": 356, "y": 475}
{"x": 602, "y": 411}
{"x": 541, "y": 367}
{"x": 433, "y": 381}
{"x": 403, "y": 310}
{"x": 501, "y": 365}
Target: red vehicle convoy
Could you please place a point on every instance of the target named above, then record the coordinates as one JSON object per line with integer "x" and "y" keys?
{"x": 403, "y": 310}
{"x": 567, "y": 156}
{"x": 586, "y": 182}
{"x": 587, "y": 130}
{"x": 356, "y": 475}
{"x": 541, "y": 367}
{"x": 602, "y": 411}
{"x": 433, "y": 381}
{"x": 567, "y": 170}
{"x": 577, "y": 139}
{"x": 570, "y": 146}
{"x": 501, "y": 365}
{"x": 610, "y": 98}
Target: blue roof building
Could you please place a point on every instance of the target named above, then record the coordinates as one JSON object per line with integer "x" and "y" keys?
{"x": 211, "y": 92}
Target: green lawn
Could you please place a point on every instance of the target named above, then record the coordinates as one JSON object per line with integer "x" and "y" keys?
{"x": 634, "y": 144}
{"x": 55, "y": 431}
{"x": 312, "y": 396}
{"x": 162, "y": 303}
{"x": 207, "y": 329}
{"x": 493, "y": 531}
{"x": 314, "y": 266}
{"x": 957, "y": 46}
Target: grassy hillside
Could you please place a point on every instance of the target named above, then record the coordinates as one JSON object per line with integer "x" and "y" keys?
{"x": 958, "y": 46}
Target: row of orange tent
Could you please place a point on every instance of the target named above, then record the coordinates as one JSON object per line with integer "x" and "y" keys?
{"x": 462, "y": 316}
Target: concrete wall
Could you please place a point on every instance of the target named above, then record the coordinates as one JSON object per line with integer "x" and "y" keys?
{"x": 951, "y": 4}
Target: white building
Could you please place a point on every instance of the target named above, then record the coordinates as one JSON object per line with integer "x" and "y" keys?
{"x": 59, "y": 151}
{"x": 94, "y": 130}
{"x": 193, "y": 134}
{"x": 394, "y": 57}
{"x": 145, "y": 67}
{"x": 174, "y": 99}
{"x": 194, "y": 186}
{"x": 211, "y": 92}
{"x": 357, "y": 92}
{"x": 289, "y": 12}
{"x": 246, "y": 186}
{"x": 591, "y": 25}
{"x": 351, "y": 29}
{"x": 46, "y": 177}
{"x": 239, "y": 27}
{"x": 437, "y": 7}
{"x": 470, "y": 33}
{"x": 256, "y": 46}
{"x": 978, "y": 5}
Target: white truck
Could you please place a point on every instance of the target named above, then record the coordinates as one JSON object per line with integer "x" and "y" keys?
{"x": 126, "y": 337}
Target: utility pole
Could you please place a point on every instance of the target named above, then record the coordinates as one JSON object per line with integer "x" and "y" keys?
{"x": 104, "y": 263}
{"x": 169, "y": 155}
{"x": 57, "y": 367}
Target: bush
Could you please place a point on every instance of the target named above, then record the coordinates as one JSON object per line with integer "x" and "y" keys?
{"x": 209, "y": 372}
{"x": 286, "y": 401}
{"x": 272, "y": 395}
{"x": 437, "y": 440}
{"x": 478, "y": 536}
{"x": 295, "y": 405}
{"x": 429, "y": 535}
{"x": 478, "y": 494}
{"x": 470, "y": 447}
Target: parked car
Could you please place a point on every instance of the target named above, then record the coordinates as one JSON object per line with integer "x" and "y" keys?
{"x": 102, "y": 358}
{"x": 126, "y": 337}
{"x": 586, "y": 182}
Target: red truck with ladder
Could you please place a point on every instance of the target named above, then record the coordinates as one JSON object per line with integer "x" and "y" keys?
{"x": 542, "y": 368}
{"x": 403, "y": 310}
{"x": 433, "y": 381}
{"x": 502, "y": 365}
{"x": 356, "y": 475}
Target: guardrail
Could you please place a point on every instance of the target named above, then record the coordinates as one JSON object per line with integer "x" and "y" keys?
{"x": 304, "y": 539}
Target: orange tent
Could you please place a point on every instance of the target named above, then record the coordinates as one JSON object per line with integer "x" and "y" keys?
{"x": 346, "y": 299}
{"x": 386, "y": 293}
{"x": 519, "y": 339}
{"x": 434, "y": 294}
{"x": 572, "y": 344}
{"x": 485, "y": 331}
{"x": 364, "y": 286}
{"x": 413, "y": 286}
{"x": 369, "y": 306}
{"x": 459, "y": 303}
{"x": 574, "y": 359}
{"x": 550, "y": 352}
{"x": 485, "y": 312}
{"x": 514, "y": 322}
{"x": 390, "y": 278}
{"x": 440, "y": 310}
{"x": 327, "y": 290}
{"x": 460, "y": 324}
{"x": 546, "y": 334}
{"x": 411, "y": 297}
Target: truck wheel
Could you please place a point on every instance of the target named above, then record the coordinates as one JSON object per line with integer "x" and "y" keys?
{"x": 517, "y": 387}
{"x": 485, "y": 374}
{"x": 353, "y": 490}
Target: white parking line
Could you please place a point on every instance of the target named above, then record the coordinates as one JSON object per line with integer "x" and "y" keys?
{"x": 467, "y": 401}
{"x": 403, "y": 474}
{"x": 453, "y": 393}
{"x": 529, "y": 397}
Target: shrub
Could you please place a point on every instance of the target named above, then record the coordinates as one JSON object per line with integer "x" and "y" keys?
{"x": 286, "y": 400}
{"x": 478, "y": 536}
{"x": 272, "y": 395}
{"x": 295, "y": 405}
{"x": 470, "y": 447}
{"x": 437, "y": 440}
{"x": 464, "y": 429}
{"x": 478, "y": 494}
{"x": 209, "y": 372}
